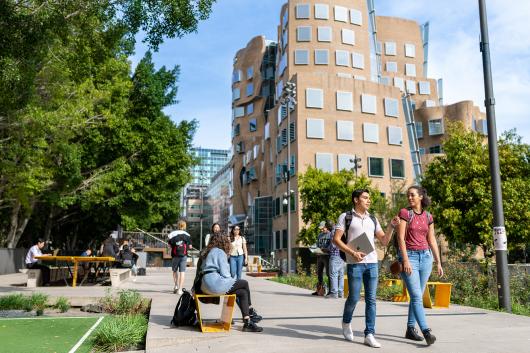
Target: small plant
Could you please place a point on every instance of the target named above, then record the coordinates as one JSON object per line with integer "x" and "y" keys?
{"x": 62, "y": 304}
{"x": 126, "y": 302}
{"x": 15, "y": 302}
{"x": 39, "y": 302}
{"x": 120, "y": 332}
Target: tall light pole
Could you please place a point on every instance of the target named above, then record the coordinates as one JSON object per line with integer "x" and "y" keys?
{"x": 499, "y": 232}
{"x": 201, "y": 182}
{"x": 289, "y": 98}
{"x": 356, "y": 163}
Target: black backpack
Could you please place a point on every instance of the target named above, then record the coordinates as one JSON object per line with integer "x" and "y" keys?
{"x": 347, "y": 222}
{"x": 185, "y": 311}
{"x": 179, "y": 246}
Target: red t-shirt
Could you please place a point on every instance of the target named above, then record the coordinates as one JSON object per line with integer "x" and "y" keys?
{"x": 417, "y": 229}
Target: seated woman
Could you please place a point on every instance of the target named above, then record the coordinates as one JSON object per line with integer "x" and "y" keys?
{"x": 217, "y": 279}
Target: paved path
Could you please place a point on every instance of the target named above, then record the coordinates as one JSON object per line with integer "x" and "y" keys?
{"x": 295, "y": 321}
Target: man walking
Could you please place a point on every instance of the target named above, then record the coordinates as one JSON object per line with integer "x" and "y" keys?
{"x": 323, "y": 240}
{"x": 361, "y": 267}
{"x": 336, "y": 268}
{"x": 180, "y": 242}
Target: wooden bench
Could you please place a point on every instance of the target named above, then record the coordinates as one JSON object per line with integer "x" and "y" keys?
{"x": 255, "y": 263}
{"x": 223, "y": 324}
{"x": 118, "y": 275}
{"x": 442, "y": 295}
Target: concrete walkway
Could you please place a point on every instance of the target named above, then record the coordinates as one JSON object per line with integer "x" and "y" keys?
{"x": 295, "y": 321}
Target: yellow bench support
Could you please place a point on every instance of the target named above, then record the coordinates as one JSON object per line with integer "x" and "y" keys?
{"x": 224, "y": 323}
{"x": 442, "y": 295}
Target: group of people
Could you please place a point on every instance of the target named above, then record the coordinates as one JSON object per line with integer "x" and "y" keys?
{"x": 417, "y": 248}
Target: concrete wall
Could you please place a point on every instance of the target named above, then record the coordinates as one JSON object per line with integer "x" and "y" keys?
{"x": 11, "y": 260}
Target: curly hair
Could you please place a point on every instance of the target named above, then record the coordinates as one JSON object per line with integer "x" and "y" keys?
{"x": 217, "y": 240}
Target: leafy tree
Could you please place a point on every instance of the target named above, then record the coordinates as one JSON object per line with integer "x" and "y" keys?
{"x": 459, "y": 183}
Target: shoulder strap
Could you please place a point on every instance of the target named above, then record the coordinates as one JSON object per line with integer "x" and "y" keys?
{"x": 411, "y": 215}
{"x": 347, "y": 221}
{"x": 372, "y": 217}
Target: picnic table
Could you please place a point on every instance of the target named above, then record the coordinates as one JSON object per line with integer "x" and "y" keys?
{"x": 76, "y": 260}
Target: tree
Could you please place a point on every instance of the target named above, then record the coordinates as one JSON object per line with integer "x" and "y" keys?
{"x": 459, "y": 183}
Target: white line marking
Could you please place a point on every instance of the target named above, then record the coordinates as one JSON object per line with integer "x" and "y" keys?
{"x": 45, "y": 318}
{"x": 80, "y": 342}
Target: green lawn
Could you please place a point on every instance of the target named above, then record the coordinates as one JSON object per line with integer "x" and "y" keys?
{"x": 45, "y": 334}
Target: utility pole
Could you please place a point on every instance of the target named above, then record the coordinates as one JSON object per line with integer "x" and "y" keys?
{"x": 201, "y": 182}
{"x": 356, "y": 163}
{"x": 499, "y": 232}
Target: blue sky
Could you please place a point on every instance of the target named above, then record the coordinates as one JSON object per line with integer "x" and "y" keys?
{"x": 205, "y": 58}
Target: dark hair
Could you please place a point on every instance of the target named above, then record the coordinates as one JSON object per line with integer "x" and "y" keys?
{"x": 426, "y": 200}
{"x": 232, "y": 236}
{"x": 216, "y": 224}
{"x": 40, "y": 240}
{"x": 217, "y": 240}
{"x": 125, "y": 247}
{"x": 329, "y": 225}
{"x": 357, "y": 193}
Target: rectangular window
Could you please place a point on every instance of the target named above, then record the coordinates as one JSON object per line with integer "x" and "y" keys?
{"x": 368, "y": 104}
{"x": 256, "y": 151}
{"x": 284, "y": 238}
{"x": 284, "y": 137}
{"x": 391, "y": 107}
{"x": 344, "y": 130}
{"x": 425, "y": 87}
{"x": 237, "y": 129}
{"x": 419, "y": 129}
{"x": 292, "y": 170}
{"x": 436, "y": 127}
{"x": 250, "y": 108}
{"x": 314, "y": 98}
{"x": 371, "y": 133}
{"x": 391, "y": 66}
{"x": 341, "y": 14}
{"x": 399, "y": 83}
{"x": 375, "y": 167}
{"x": 429, "y": 103}
{"x": 421, "y": 151}
{"x": 236, "y": 94}
{"x": 390, "y": 48}
{"x": 252, "y": 125}
{"x": 292, "y": 132}
{"x": 250, "y": 73}
{"x": 236, "y": 76}
{"x": 301, "y": 57}
{"x": 303, "y": 33}
{"x": 321, "y": 11}
{"x": 239, "y": 112}
{"x": 302, "y": 11}
{"x": 356, "y": 17}
{"x": 344, "y": 161}
{"x": 267, "y": 131}
{"x": 410, "y": 50}
{"x": 397, "y": 168}
{"x": 342, "y": 58}
{"x": 385, "y": 80}
{"x": 250, "y": 89}
{"x": 435, "y": 149}
{"x": 357, "y": 60}
{"x": 395, "y": 135}
{"x": 324, "y": 162}
{"x": 348, "y": 36}
{"x": 324, "y": 34}
{"x": 279, "y": 89}
{"x": 344, "y": 101}
{"x": 283, "y": 64}
{"x": 321, "y": 57}
{"x": 411, "y": 86}
{"x": 410, "y": 70}
{"x": 315, "y": 128}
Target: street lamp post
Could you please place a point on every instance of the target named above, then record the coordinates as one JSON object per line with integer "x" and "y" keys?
{"x": 289, "y": 98}
{"x": 356, "y": 163}
{"x": 201, "y": 182}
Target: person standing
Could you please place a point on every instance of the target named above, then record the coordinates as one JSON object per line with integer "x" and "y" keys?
{"x": 361, "y": 267}
{"x": 216, "y": 228}
{"x": 336, "y": 268}
{"x": 323, "y": 242}
{"x": 33, "y": 264}
{"x": 180, "y": 243}
{"x": 417, "y": 245}
{"x": 238, "y": 252}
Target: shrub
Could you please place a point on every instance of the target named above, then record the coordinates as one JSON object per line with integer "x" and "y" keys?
{"x": 39, "y": 302}
{"x": 126, "y": 302}
{"x": 120, "y": 332}
{"x": 15, "y": 302}
{"x": 62, "y": 304}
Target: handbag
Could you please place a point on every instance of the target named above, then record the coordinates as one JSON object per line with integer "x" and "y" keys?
{"x": 396, "y": 267}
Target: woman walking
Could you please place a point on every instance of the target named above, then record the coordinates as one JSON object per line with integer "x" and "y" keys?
{"x": 217, "y": 279}
{"x": 417, "y": 246}
{"x": 238, "y": 252}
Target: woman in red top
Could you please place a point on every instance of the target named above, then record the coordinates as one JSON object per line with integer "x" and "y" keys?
{"x": 417, "y": 245}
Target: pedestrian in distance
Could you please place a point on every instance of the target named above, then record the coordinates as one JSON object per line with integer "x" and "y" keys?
{"x": 180, "y": 243}
{"x": 417, "y": 246}
{"x": 216, "y": 228}
{"x": 323, "y": 242}
{"x": 336, "y": 267}
{"x": 362, "y": 268}
{"x": 238, "y": 252}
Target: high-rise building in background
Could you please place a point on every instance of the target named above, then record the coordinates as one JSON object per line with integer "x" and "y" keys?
{"x": 362, "y": 93}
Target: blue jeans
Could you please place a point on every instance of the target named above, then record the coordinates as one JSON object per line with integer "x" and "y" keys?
{"x": 336, "y": 275}
{"x": 368, "y": 275}
{"x": 236, "y": 266}
{"x": 421, "y": 263}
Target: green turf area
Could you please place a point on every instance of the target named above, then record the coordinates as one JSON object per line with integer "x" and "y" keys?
{"x": 44, "y": 334}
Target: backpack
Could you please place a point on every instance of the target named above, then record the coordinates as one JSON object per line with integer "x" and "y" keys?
{"x": 347, "y": 222}
{"x": 324, "y": 242}
{"x": 184, "y": 314}
{"x": 179, "y": 246}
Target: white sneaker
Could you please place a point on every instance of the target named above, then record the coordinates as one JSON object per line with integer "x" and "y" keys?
{"x": 369, "y": 340}
{"x": 179, "y": 292}
{"x": 175, "y": 290}
{"x": 347, "y": 332}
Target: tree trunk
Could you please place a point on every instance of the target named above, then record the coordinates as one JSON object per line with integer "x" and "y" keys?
{"x": 18, "y": 221}
{"x": 49, "y": 224}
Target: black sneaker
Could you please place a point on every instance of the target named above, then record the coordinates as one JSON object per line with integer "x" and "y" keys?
{"x": 254, "y": 315}
{"x": 250, "y": 326}
{"x": 429, "y": 337}
{"x": 412, "y": 334}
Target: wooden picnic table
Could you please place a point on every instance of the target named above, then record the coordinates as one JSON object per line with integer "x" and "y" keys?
{"x": 76, "y": 260}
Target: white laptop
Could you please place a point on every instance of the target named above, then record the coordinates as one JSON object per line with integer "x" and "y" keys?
{"x": 361, "y": 243}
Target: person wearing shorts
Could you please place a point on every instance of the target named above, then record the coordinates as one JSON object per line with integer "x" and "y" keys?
{"x": 180, "y": 242}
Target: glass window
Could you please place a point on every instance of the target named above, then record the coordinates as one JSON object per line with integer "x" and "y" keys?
{"x": 303, "y": 33}
{"x": 344, "y": 101}
{"x": 391, "y": 107}
{"x": 391, "y": 66}
{"x": 410, "y": 70}
{"x": 425, "y": 87}
{"x": 239, "y": 112}
{"x": 236, "y": 94}
{"x": 390, "y": 48}
{"x": 357, "y": 60}
{"x": 419, "y": 129}
{"x": 250, "y": 89}
{"x": 344, "y": 130}
{"x": 324, "y": 34}
{"x": 435, "y": 149}
{"x": 395, "y": 135}
{"x": 315, "y": 128}
{"x": 344, "y": 161}
{"x": 341, "y": 14}
{"x": 324, "y": 162}
{"x": 436, "y": 127}
{"x": 410, "y": 50}
{"x": 322, "y": 11}
{"x": 301, "y": 57}
{"x": 375, "y": 167}
{"x": 397, "y": 168}
{"x": 302, "y": 11}
{"x": 421, "y": 150}
{"x": 250, "y": 108}
{"x": 314, "y": 98}
{"x": 237, "y": 129}
{"x": 429, "y": 103}
{"x": 385, "y": 80}
{"x": 368, "y": 104}
{"x": 411, "y": 86}
{"x": 348, "y": 36}
{"x": 292, "y": 131}
{"x": 283, "y": 64}
{"x": 342, "y": 58}
{"x": 356, "y": 17}
{"x": 252, "y": 125}
{"x": 279, "y": 89}
{"x": 321, "y": 57}
{"x": 236, "y": 76}
{"x": 250, "y": 72}
{"x": 371, "y": 133}
{"x": 398, "y": 82}
{"x": 267, "y": 133}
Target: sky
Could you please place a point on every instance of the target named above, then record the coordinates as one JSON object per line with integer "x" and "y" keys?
{"x": 206, "y": 57}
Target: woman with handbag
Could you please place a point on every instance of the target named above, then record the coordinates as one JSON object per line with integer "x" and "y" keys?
{"x": 238, "y": 252}
{"x": 417, "y": 246}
